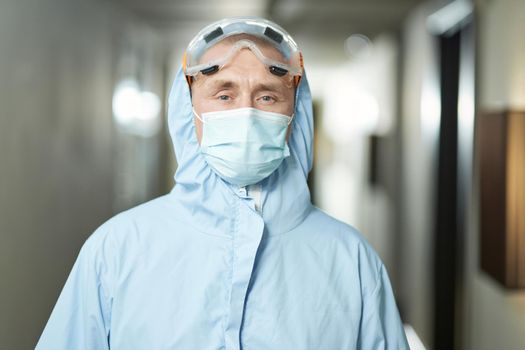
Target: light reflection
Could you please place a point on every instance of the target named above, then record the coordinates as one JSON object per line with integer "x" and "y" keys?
{"x": 350, "y": 110}
{"x": 135, "y": 111}
{"x": 413, "y": 339}
{"x": 358, "y": 46}
{"x": 430, "y": 108}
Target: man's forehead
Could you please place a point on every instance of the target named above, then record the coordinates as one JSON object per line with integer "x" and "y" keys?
{"x": 237, "y": 81}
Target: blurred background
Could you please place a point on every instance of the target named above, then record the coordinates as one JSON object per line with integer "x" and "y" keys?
{"x": 401, "y": 91}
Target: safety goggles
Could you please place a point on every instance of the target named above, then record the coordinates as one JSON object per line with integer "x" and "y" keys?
{"x": 290, "y": 64}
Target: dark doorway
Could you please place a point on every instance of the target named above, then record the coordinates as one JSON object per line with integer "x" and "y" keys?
{"x": 446, "y": 241}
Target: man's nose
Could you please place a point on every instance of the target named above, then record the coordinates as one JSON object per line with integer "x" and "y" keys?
{"x": 245, "y": 100}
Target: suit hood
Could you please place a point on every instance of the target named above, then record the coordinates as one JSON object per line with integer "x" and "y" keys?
{"x": 208, "y": 202}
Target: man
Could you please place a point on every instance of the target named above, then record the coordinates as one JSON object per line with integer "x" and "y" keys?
{"x": 235, "y": 257}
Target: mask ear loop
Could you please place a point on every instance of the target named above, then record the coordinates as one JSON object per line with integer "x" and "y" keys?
{"x": 195, "y": 113}
{"x": 291, "y": 119}
{"x": 297, "y": 81}
{"x": 295, "y": 104}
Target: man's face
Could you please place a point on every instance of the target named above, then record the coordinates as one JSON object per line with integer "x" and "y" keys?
{"x": 243, "y": 82}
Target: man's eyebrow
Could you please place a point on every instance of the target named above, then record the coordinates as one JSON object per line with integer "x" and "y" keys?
{"x": 221, "y": 83}
{"x": 269, "y": 87}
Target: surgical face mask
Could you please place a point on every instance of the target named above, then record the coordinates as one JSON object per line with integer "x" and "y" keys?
{"x": 245, "y": 145}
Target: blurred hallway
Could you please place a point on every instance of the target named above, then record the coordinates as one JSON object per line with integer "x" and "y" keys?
{"x": 400, "y": 89}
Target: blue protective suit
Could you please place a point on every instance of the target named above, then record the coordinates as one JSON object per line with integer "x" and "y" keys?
{"x": 212, "y": 266}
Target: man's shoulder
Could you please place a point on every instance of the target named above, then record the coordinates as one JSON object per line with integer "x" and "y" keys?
{"x": 326, "y": 224}
{"x": 147, "y": 211}
{"x": 329, "y": 229}
{"x": 130, "y": 222}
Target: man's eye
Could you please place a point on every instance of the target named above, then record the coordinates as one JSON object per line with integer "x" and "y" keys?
{"x": 224, "y": 97}
{"x": 268, "y": 98}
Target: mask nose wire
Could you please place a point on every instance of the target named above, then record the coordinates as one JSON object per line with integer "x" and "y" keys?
{"x": 198, "y": 117}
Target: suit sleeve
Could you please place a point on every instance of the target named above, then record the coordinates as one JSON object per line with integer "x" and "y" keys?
{"x": 81, "y": 316}
{"x": 381, "y": 326}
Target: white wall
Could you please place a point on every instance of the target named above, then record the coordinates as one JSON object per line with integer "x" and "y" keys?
{"x": 502, "y": 54}
{"x": 66, "y": 165}
{"x": 55, "y": 162}
{"x": 495, "y": 316}
{"x": 420, "y": 127}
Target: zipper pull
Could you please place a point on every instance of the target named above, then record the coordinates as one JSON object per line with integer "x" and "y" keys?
{"x": 255, "y": 192}
{"x": 242, "y": 191}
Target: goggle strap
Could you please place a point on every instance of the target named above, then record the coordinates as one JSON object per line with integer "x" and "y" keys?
{"x": 189, "y": 78}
